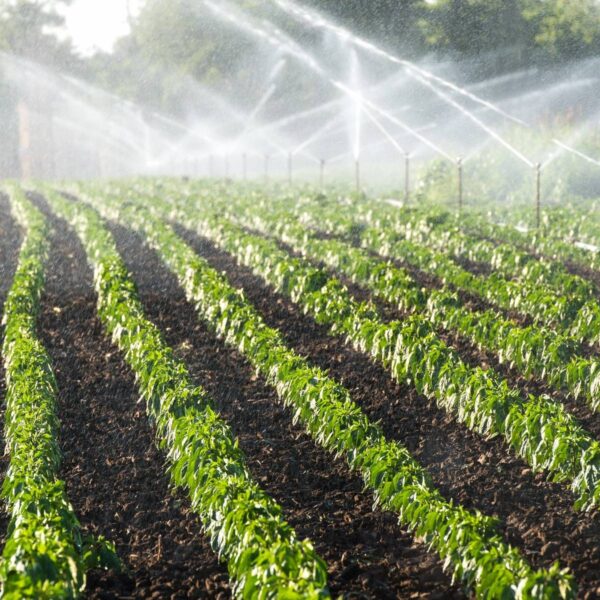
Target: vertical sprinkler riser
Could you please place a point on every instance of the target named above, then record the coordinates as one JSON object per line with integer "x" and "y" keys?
{"x": 322, "y": 173}
{"x": 244, "y": 167}
{"x": 290, "y": 168}
{"x": 357, "y": 175}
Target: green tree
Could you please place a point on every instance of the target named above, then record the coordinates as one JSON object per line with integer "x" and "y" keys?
{"x": 392, "y": 23}
{"x": 565, "y": 29}
{"x": 29, "y": 28}
{"x": 171, "y": 42}
{"x": 473, "y": 27}
{"x": 536, "y": 30}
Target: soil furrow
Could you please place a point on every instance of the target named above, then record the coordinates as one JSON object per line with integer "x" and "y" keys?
{"x": 115, "y": 476}
{"x": 536, "y": 515}
{"x": 368, "y": 555}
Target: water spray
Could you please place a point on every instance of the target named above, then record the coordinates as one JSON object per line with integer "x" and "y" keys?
{"x": 478, "y": 122}
{"x": 286, "y": 44}
{"x": 315, "y": 19}
{"x": 578, "y": 153}
{"x": 396, "y": 145}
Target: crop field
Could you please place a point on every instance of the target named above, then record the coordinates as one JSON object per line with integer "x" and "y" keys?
{"x": 215, "y": 389}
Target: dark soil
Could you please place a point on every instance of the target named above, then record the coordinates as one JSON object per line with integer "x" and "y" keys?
{"x": 536, "y": 515}
{"x": 116, "y": 478}
{"x": 477, "y": 268}
{"x": 368, "y": 554}
{"x": 10, "y": 243}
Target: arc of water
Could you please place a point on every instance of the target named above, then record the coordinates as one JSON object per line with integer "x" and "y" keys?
{"x": 383, "y": 130}
{"x": 317, "y": 20}
{"x": 116, "y": 142}
{"x": 264, "y": 99}
{"x": 410, "y": 130}
{"x": 282, "y": 42}
{"x": 327, "y": 106}
{"x": 178, "y": 125}
{"x": 475, "y": 120}
{"x": 585, "y": 157}
{"x": 328, "y": 126}
{"x": 304, "y": 114}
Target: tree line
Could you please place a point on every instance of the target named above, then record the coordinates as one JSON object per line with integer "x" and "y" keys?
{"x": 174, "y": 40}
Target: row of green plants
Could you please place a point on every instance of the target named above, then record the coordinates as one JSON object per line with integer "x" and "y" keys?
{"x": 447, "y": 236}
{"x": 247, "y": 529}
{"x": 444, "y": 232}
{"x": 532, "y": 350}
{"x": 558, "y": 246}
{"x": 571, "y": 220}
{"x": 537, "y": 428}
{"x": 568, "y": 315}
{"x": 467, "y": 541}
{"x": 45, "y": 554}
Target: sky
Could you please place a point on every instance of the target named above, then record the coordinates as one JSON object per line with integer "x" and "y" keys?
{"x": 97, "y": 24}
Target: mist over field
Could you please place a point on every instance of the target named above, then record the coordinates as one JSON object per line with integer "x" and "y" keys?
{"x": 358, "y": 93}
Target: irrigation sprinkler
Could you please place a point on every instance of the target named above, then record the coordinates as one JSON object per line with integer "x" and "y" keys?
{"x": 285, "y": 44}
{"x": 290, "y": 168}
{"x": 406, "y": 176}
{"x": 459, "y": 165}
{"x": 357, "y": 174}
{"x": 316, "y": 19}
{"x": 226, "y": 159}
{"x": 538, "y": 195}
{"x": 322, "y": 173}
{"x": 245, "y": 166}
